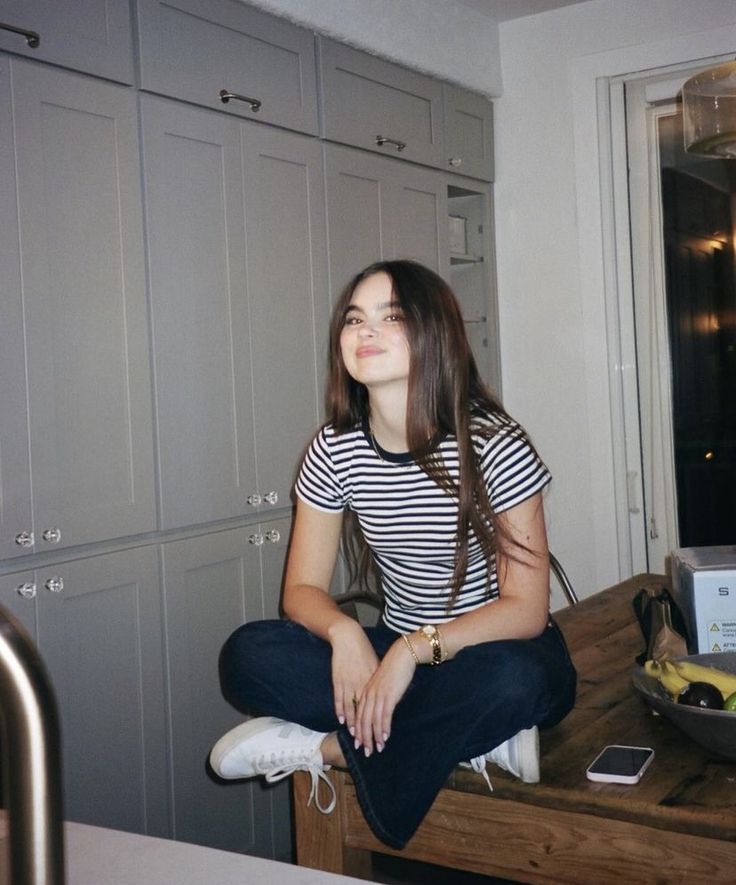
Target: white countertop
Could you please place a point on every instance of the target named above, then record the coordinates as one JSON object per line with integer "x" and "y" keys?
{"x": 98, "y": 856}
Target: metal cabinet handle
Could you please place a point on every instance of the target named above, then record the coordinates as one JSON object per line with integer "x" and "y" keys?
{"x": 274, "y": 536}
{"x": 455, "y": 161}
{"x": 254, "y": 500}
{"x": 256, "y": 539}
{"x": 33, "y": 38}
{"x": 55, "y": 584}
{"x": 53, "y": 535}
{"x": 25, "y": 539}
{"x": 271, "y": 497}
{"x": 255, "y": 103}
{"x": 27, "y": 590}
{"x": 382, "y": 139}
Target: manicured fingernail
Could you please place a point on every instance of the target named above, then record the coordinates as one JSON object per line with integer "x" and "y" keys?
{"x": 367, "y": 752}
{"x": 385, "y": 737}
{"x": 379, "y": 747}
{"x": 352, "y": 731}
{"x": 341, "y": 720}
{"x": 356, "y": 744}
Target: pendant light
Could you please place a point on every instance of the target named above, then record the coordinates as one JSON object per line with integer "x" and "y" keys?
{"x": 709, "y": 112}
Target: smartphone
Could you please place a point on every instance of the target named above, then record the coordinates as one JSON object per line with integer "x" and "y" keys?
{"x": 618, "y": 764}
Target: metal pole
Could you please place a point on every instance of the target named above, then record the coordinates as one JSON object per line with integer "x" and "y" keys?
{"x": 31, "y": 770}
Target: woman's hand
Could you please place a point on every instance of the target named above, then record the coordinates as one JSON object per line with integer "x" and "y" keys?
{"x": 353, "y": 664}
{"x": 380, "y": 696}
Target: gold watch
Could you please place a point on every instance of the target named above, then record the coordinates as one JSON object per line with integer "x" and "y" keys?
{"x": 433, "y": 637}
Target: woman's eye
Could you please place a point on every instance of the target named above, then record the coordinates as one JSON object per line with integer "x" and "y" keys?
{"x": 394, "y": 318}
{"x": 352, "y": 321}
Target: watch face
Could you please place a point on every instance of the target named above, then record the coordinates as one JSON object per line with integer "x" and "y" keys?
{"x": 428, "y": 630}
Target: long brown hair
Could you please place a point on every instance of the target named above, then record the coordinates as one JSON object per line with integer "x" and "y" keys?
{"x": 445, "y": 393}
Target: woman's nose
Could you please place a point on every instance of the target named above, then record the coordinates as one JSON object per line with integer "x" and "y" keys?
{"x": 367, "y": 329}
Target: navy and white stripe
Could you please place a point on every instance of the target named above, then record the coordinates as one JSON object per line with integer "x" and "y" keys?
{"x": 409, "y": 522}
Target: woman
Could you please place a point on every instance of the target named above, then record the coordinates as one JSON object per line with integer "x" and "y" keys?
{"x": 446, "y": 489}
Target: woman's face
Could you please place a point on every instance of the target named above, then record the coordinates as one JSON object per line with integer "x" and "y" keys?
{"x": 373, "y": 341}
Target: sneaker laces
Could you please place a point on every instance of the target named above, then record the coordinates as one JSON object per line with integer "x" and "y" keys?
{"x": 478, "y": 764}
{"x": 317, "y": 773}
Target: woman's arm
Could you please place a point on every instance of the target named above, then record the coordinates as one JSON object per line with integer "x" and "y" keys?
{"x": 313, "y": 552}
{"x": 522, "y": 609}
{"x": 520, "y": 612}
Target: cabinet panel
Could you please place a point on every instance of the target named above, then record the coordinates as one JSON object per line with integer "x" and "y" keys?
{"x": 195, "y": 221}
{"x": 378, "y": 208}
{"x": 468, "y": 132}
{"x": 15, "y": 476}
{"x": 76, "y": 153}
{"x": 87, "y": 35}
{"x": 212, "y": 585}
{"x": 194, "y": 49}
{"x": 287, "y": 287}
{"x": 99, "y": 631}
{"x": 367, "y": 99}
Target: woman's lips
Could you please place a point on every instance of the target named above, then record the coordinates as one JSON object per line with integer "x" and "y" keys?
{"x": 367, "y": 350}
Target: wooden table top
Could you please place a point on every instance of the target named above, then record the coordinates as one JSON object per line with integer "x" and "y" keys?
{"x": 685, "y": 789}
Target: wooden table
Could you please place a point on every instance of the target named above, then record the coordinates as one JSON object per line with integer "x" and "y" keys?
{"x": 678, "y": 825}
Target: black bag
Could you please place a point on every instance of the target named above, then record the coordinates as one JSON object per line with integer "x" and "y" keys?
{"x": 662, "y": 625}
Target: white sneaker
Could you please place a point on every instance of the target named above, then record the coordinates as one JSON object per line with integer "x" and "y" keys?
{"x": 275, "y": 749}
{"x": 519, "y": 755}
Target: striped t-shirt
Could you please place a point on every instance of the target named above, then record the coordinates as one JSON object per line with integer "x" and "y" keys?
{"x": 409, "y": 522}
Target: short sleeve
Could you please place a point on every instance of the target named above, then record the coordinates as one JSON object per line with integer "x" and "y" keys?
{"x": 318, "y": 483}
{"x": 512, "y": 469}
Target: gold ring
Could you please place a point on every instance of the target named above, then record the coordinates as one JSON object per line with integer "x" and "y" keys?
{"x": 355, "y": 701}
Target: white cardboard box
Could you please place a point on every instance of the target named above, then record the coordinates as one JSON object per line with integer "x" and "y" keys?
{"x": 704, "y": 586}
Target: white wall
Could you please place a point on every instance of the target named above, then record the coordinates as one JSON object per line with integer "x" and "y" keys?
{"x": 558, "y": 376}
{"x": 439, "y": 37}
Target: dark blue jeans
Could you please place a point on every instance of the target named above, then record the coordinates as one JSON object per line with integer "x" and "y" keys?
{"x": 449, "y": 714}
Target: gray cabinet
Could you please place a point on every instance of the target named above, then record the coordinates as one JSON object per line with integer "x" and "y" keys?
{"x": 468, "y": 127}
{"x": 381, "y": 208}
{"x": 97, "y": 623}
{"x": 238, "y": 286}
{"x": 86, "y": 35}
{"x": 76, "y": 300}
{"x": 213, "y": 584}
{"x": 204, "y": 50}
{"x": 377, "y": 105}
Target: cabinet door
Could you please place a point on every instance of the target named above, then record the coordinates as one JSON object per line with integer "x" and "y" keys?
{"x": 100, "y": 633}
{"x": 201, "y": 338}
{"x": 377, "y": 105}
{"x": 468, "y": 133}
{"x": 212, "y": 585}
{"x": 287, "y": 287}
{"x": 16, "y": 525}
{"x": 76, "y": 152}
{"x": 379, "y": 208}
{"x": 195, "y": 49}
{"x": 87, "y": 35}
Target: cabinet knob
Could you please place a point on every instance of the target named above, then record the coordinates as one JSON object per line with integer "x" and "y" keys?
{"x": 255, "y": 103}
{"x": 256, "y": 539}
{"x": 27, "y": 590}
{"x": 455, "y": 161}
{"x": 271, "y": 497}
{"x": 274, "y": 536}
{"x": 53, "y": 535}
{"x": 25, "y": 539}
{"x": 254, "y": 500}
{"x": 55, "y": 584}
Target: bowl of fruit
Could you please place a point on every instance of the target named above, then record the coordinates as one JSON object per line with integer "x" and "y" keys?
{"x": 698, "y": 694}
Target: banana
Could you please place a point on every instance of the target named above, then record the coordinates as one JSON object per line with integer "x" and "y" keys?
{"x": 692, "y": 672}
{"x": 672, "y": 681}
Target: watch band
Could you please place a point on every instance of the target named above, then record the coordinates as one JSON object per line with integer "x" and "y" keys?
{"x": 432, "y": 634}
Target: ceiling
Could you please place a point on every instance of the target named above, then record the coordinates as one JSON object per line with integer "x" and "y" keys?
{"x": 505, "y": 10}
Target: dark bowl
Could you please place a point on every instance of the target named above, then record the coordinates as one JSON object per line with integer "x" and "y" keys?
{"x": 713, "y": 729}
